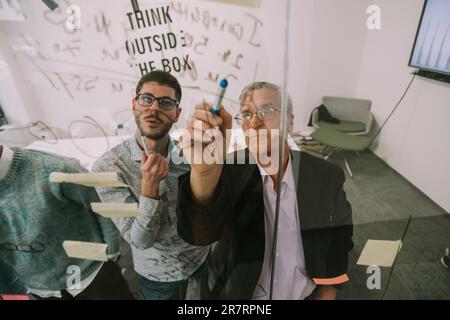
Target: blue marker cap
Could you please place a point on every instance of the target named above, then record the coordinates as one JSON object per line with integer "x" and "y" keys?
{"x": 219, "y": 97}
{"x": 223, "y": 84}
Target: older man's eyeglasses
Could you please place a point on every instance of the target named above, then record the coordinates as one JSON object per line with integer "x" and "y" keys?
{"x": 146, "y": 100}
{"x": 266, "y": 113}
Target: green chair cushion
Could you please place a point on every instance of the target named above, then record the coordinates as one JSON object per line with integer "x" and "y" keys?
{"x": 337, "y": 139}
{"x": 345, "y": 126}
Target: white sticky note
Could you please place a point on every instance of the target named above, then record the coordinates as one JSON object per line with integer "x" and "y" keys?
{"x": 249, "y": 3}
{"x": 86, "y": 250}
{"x": 95, "y": 179}
{"x": 379, "y": 253}
{"x": 111, "y": 210}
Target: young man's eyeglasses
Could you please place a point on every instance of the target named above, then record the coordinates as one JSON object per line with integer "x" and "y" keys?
{"x": 146, "y": 100}
{"x": 266, "y": 113}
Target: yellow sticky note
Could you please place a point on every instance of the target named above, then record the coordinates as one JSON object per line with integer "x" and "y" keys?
{"x": 96, "y": 179}
{"x": 379, "y": 253}
{"x": 111, "y": 210}
{"x": 86, "y": 250}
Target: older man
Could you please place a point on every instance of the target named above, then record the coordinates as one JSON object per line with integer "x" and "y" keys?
{"x": 234, "y": 205}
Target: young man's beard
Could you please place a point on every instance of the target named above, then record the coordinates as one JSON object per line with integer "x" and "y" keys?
{"x": 162, "y": 130}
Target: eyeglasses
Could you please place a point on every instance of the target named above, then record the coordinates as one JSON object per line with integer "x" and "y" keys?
{"x": 267, "y": 113}
{"x": 165, "y": 103}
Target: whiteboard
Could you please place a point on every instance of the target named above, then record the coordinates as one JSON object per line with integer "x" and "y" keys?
{"x": 89, "y": 71}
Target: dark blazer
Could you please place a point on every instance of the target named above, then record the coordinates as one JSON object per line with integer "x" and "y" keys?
{"x": 234, "y": 222}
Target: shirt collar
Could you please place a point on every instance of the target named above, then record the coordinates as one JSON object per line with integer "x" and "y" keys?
{"x": 262, "y": 171}
{"x": 5, "y": 161}
{"x": 288, "y": 178}
{"x": 289, "y": 175}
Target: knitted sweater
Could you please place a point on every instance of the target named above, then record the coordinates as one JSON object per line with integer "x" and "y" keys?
{"x": 36, "y": 216}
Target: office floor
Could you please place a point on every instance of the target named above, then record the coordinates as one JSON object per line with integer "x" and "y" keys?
{"x": 382, "y": 201}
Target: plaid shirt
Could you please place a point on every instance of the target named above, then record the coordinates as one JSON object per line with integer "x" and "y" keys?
{"x": 159, "y": 254}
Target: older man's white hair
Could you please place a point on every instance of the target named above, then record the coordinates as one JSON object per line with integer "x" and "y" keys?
{"x": 264, "y": 85}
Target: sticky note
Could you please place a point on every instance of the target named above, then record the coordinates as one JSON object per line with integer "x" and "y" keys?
{"x": 111, "y": 210}
{"x": 86, "y": 250}
{"x": 249, "y": 3}
{"x": 96, "y": 179}
{"x": 379, "y": 253}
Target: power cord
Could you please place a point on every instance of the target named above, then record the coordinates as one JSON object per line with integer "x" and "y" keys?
{"x": 43, "y": 127}
{"x": 91, "y": 121}
{"x": 393, "y": 110}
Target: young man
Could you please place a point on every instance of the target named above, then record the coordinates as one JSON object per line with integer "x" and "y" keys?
{"x": 162, "y": 259}
{"x": 234, "y": 205}
{"x": 37, "y": 216}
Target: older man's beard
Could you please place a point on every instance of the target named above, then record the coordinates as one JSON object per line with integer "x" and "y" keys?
{"x": 151, "y": 133}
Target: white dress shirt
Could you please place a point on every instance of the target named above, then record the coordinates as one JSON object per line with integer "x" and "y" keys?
{"x": 291, "y": 281}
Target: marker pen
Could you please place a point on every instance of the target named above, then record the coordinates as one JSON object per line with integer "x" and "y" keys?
{"x": 219, "y": 97}
{"x": 145, "y": 146}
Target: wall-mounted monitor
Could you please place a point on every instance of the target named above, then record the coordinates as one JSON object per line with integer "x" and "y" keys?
{"x": 431, "y": 51}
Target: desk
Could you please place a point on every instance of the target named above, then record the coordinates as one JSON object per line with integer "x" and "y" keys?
{"x": 86, "y": 150}
{"x": 307, "y": 144}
